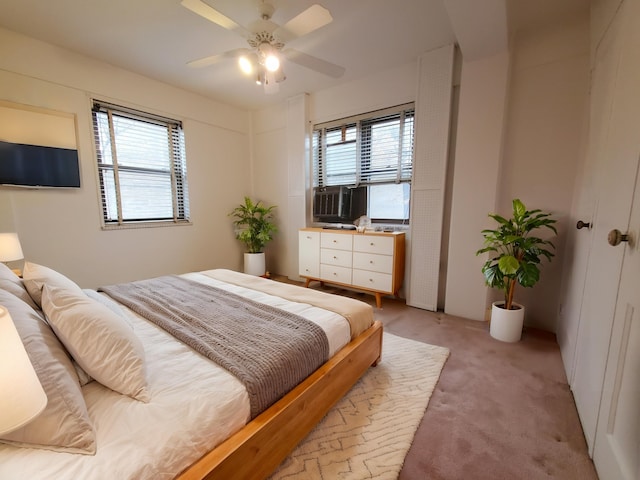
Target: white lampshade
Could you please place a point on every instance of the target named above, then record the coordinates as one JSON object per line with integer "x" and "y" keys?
{"x": 247, "y": 64}
{"x": 272, "y": 63}
{"x": 10, "y": 248}
{"x": 21, "y": 395}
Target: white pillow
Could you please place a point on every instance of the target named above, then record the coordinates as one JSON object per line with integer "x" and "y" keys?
{"x": 64, "y": 424}
{"x": 107, "y": 302}
{"x": 35, "y": 276}
{"x": 98, "y": 339}
{"x": 10, "y": 282}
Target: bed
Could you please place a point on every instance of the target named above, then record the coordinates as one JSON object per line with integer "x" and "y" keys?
{"x": 189, "y": 418}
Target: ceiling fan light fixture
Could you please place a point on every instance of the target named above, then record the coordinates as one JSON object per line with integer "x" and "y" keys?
{"x": 246, "y": 65}
{"x": 270, "y": 83}
{"x": 268, "y": 56}
{"x": 272, "y": 63}
{"x": 280, "y": 76}
{"x": 267, "y": 39}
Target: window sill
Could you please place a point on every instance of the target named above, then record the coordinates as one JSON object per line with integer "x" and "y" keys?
{"x": 149, "y": 224}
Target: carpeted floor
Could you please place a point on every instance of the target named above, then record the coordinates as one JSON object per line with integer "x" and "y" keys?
{"x": 499, "y": 410}
{"x": 367, "y": 434}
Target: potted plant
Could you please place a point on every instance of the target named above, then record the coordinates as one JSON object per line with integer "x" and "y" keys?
{"x": 254, "y": 227}
{"x": 515, "y": 256}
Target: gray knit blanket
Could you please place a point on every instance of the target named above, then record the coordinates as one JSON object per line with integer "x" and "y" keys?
{"x": 268, "y": 349}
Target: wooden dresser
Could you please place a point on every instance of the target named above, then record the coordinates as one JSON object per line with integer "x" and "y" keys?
{"x": 372, "y": 261}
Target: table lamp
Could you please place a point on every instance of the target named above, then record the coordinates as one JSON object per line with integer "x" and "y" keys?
{"x": 10, "y": 249}
{"x": 22, "y": 397}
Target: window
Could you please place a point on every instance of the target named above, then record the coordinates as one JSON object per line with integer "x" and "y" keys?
{"x": 375, "y": 150}
{"x": 141, "y": 166}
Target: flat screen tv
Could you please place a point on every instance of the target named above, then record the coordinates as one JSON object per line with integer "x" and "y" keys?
{"x": 37, "y": 166}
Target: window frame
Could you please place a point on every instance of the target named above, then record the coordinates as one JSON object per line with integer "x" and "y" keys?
{"x": 363, "y": 124}
{"x": 176, "y": 171}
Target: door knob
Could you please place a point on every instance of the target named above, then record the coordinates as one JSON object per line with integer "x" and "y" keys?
{"x": 582, "y": 224}
{"x": 615, "y": 237}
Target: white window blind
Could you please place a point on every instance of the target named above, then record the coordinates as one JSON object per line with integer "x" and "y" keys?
{"x": 365, "y": 150}
{"x": 373, "y": 150}
{"x": 141, "y": 165}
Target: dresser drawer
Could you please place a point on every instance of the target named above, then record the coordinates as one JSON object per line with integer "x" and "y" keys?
{"x": 309, "y": 254}
{"x": 341, "y": 258}
{"x": 309, "y": 270}
{"x": 309, "y": 240}
{"x": 332, "y": 273}
{"x": 378, "y": 244}
{"x": 372, "y": 280}
{"x": 336, "y": 241}
{"x": 373, "y": 262}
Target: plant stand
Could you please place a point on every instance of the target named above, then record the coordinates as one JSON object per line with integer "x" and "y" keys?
{"x": 506, "y": 325}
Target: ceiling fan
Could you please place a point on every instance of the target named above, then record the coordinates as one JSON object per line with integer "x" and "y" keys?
{"x": 267, "y": 40}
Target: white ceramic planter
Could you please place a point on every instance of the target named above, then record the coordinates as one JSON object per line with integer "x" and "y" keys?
{"x": 506, "y": 325}
{"x": 254, "y": 264}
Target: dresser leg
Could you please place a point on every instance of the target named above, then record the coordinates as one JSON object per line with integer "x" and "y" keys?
{"x": 378, "y": 300}
{"x": 306, "y": 284}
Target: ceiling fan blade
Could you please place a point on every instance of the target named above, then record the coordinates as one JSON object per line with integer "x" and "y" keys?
{"x": 314, "y": 63}
{"x": 200, "y": 8}
{"x": 213, "y": 59}
{"x": 311, "y": 19}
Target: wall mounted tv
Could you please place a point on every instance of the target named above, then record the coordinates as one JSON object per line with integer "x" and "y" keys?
{"x": 37, "y": 166}
{"x": 339, "y": 203}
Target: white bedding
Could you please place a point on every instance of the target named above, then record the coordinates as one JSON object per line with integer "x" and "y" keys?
{"x": 194, "y": 406}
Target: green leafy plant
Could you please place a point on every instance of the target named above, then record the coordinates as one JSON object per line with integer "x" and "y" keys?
{"x": 515, "y": 253}
{"x": 254, "y": 224}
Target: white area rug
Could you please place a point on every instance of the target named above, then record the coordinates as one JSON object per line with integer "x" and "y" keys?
{"x": 369, "y": 432}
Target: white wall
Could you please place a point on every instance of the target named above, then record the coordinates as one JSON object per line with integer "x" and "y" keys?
{"x": 483, "y": 96}
{"x": 270, "y": 177}
{"x": 527, "y": 145}
{"x": 432, "y": 133}
{"x": 380, "y": 90}
{"x": 62, "y": 229}
{"x": 544, "y": 147}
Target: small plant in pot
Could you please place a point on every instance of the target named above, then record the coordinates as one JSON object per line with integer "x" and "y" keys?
{"x": 255, "y": 228}
{"x": 515, "y": 256}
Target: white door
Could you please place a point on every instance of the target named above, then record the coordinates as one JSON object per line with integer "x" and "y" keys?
{"x": 617, "y": 445}
{"x": 615, "y": 146}
{"x": 575, "y": 263}
{"x": 576, "y": 258}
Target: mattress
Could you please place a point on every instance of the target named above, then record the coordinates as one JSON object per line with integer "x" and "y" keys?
{"x": 194, "y": 406}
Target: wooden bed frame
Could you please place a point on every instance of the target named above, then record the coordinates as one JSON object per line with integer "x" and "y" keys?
{"x": 256, "y": 450}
